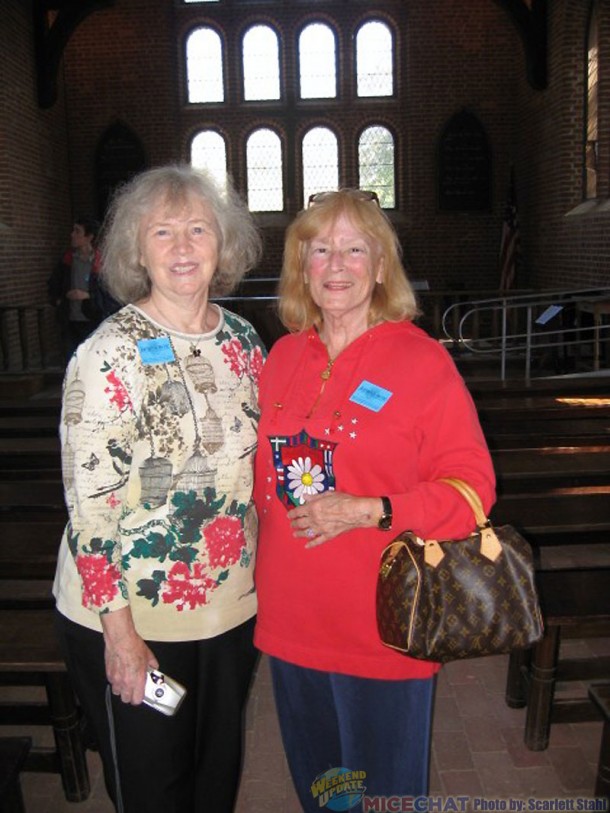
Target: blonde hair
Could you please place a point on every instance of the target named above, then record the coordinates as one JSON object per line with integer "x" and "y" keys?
{"x": 393, "y": 300}
{"x": 239, "y": 246}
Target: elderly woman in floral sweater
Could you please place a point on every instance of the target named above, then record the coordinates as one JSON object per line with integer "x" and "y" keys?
{"x": 158, "y": 435}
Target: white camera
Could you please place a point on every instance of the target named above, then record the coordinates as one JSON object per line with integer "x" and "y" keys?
{"x": 163, "y": 693}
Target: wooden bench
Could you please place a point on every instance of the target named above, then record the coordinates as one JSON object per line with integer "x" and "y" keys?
{"x": 32, "y": 519}
{"x": 26, "y": 594}
{"x": 590, "y": 386}
{"x": 29, "y": 426}
{"x": 43, "y": 494}
{"x": 539, "y": 469}
{"x": 13, "y": 753}
{"x": 574, "y": 516}
{"x": 29, "y": 654}
{"x": 574, "y": 590}
{"x": 16, "y": 452}
{"x": 49, "y": 407}
{"x": 575, "y": 604}
{"x": 600, "y": 696}
{"x": 28, "y": 548}
{"x": 544, "y": 422}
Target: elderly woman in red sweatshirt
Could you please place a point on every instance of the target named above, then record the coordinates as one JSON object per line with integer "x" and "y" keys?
{"x": 362, "y": 414}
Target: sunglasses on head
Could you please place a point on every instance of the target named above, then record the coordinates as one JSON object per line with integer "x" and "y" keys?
{"x": 359, "y": 194}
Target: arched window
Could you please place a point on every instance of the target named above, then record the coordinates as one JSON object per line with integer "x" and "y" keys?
{"x": 464, "y": 173}
{"x": 591, "y": 121}
{"x": 209, "y": 152}
{"x": 320, "y": 162}
{"x": 261, "y": 64}
{"x": 374, "y": 60}
{"x": 264, "y": 171}
{"x": 205, "y": 80}
{"x": 376, "y": 164}
{"x": 118, "y": 157}
{"x": 317, "y": 62}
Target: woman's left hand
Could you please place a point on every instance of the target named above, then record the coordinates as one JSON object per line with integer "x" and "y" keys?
{"x": 127, "y": 656}
{"x": 324, "y": 516}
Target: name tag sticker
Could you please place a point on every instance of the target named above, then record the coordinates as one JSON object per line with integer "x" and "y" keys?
{"x": 155, "y": 351}
{"x": 370, "y": 396}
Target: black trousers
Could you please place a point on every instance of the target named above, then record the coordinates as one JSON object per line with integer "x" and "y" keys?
{"x": 189, "y": 763}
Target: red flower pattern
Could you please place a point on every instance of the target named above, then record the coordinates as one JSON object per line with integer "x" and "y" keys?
{"x": 236, "y": 357}
{"x": 185, "y": 588}
{"x": 256, "y": 364}
{"x": 112, "y": 500}
{"x": 224, "y": 538}
{"x": 120, "y": 396}
{"x": 100, "y": 579}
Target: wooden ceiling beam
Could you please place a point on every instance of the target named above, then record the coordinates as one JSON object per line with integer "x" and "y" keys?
{"x": 54, "y": 23}
{"x": 530, "y": 20}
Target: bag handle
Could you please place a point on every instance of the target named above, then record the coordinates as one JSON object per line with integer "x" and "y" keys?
{"x": 471, "y": 497}
{"x": 490, "y": 544}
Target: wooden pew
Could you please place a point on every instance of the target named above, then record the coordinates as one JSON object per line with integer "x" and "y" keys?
{"x": 29, "y": 426}
{"x": 31, "y": 452}
{"x": 558, "y": 516}
{"x": 600, "y": 695}
{"x": 28, "y": 548}
{"x": 29, "y": 652}
{"x": 588, "y": 386}
{"x": 575, "y": 598}
{"x": 32, "y": 519}
{"x": 13, "y": 753}
{"x": 575, "y": 604}
{"x": 541, "y": 468}
{"x": 49, "y": 407}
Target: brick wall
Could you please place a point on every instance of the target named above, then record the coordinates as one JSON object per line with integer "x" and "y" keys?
{"x": 123, "y": 64}
{"x": 35, "y": 211}
{"x": 563, "y": 245}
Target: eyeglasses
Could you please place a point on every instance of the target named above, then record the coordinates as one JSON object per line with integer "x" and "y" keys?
{"x": 358, "y": 194}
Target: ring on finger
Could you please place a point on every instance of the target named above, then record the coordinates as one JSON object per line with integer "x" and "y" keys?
{"x": 310, "y": 532}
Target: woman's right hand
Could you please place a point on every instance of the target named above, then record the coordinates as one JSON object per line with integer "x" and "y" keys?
{"x": 126, "y": 655}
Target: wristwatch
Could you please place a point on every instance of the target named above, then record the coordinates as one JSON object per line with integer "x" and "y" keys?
{"x": 385, "y": 520}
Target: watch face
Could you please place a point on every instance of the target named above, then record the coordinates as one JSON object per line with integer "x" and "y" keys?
{"x": 385, "y": 523}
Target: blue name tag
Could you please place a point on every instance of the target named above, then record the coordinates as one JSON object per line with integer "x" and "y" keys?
{"x": 370, "y": 396}
{"x": 155, "y": 351}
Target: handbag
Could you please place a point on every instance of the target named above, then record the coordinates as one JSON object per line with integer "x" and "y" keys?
{"x": 461, "y": 598}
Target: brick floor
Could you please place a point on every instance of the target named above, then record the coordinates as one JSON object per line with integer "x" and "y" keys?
{"x": 477, "y": 750}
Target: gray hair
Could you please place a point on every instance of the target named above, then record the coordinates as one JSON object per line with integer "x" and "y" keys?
{"x": 239, "y": 247}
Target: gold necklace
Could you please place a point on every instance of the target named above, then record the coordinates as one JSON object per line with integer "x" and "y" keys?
{"x": 325, "y": 374}
{"x": 194, "y": 347}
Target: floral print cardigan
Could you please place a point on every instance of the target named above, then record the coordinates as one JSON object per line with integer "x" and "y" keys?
{"x": 158, "y": 434}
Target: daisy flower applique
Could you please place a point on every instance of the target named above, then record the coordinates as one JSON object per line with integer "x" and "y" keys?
{"x": 303, "y": 478}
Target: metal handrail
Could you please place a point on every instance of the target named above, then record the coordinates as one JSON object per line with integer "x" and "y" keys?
{"x": 529, "y": 311}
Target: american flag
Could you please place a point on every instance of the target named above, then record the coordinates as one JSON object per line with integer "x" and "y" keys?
{"x": 510, "y": 245}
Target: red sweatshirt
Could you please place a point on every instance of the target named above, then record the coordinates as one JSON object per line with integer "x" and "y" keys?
{"x": 393, "y": 417}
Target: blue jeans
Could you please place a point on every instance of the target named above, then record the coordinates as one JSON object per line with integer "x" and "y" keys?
{"x": 328, "y": 720}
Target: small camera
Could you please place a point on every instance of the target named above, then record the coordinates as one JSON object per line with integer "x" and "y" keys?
{"x": 163, "y": 693}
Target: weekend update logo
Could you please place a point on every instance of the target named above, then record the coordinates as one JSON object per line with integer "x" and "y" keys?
{"x": 339, "y": 788}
